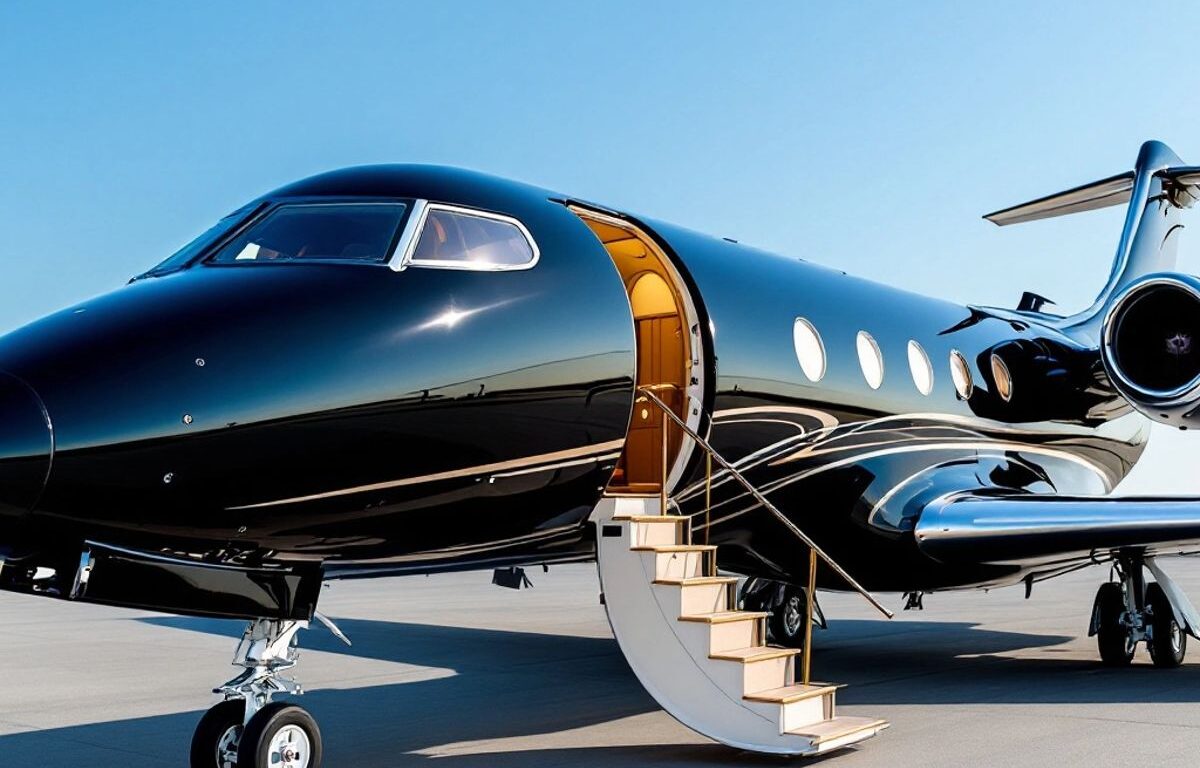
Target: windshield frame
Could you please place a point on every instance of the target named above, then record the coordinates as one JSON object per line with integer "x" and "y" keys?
{"x": 405, "y": 257}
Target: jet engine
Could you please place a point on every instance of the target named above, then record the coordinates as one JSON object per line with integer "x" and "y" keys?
{"x": 1151, "y": 347}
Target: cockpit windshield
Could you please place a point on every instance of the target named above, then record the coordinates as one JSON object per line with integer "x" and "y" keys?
{"x": 341, "y": 232}
{"x": 210, "y": 236}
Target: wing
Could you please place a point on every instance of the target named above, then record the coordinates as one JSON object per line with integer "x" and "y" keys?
{"x": 1032, "y": 529}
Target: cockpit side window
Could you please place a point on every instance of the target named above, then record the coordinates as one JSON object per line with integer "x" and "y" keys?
{"x": 317, "y": 232}
{"x": 460, "y": 238}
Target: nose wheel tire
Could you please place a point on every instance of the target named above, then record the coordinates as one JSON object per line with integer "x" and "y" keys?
{"x": 1167, "y": 643}
{"x": 1113, "y": 634}
{"x": 280, "y": 735}
{"x": 215, "y": 741}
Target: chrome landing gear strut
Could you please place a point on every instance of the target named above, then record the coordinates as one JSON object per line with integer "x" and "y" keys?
{"x": 248, "y": 729}
{"x": 1131, "y": 610}
{"x": 266, "y": 649}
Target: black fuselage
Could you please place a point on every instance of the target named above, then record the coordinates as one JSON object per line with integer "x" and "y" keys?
{"x": 376, "y": 420}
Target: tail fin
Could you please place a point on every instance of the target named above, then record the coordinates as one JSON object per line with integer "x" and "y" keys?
{"x": 1158, "y": 187}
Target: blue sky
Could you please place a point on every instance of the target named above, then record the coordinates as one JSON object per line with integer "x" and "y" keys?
{"x": 868, "y": 136}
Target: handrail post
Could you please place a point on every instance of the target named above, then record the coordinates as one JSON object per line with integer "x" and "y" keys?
{"x": 662, "y": 484}
{"x": 707, "y": 497}
{"x": 808, "y": 613}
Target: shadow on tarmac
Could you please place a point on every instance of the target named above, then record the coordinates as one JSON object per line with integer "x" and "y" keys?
{"x": 514, "y": 684}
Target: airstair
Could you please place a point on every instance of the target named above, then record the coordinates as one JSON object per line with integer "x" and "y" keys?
{"x": 705, "y": 662}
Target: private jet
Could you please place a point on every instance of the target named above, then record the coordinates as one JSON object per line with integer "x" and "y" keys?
{"x": 403, "y": 369}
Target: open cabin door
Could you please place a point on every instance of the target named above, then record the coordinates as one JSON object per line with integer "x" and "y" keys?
{"x": 667, "y": 353}
{"x": 662, "y": 365}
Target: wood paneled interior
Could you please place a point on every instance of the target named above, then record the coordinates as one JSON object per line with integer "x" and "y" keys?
{"x": 663, "y": 354}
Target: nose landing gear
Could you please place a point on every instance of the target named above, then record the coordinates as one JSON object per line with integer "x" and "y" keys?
{"x": 248, "y": 729}
{"x": 1129, "y": 611}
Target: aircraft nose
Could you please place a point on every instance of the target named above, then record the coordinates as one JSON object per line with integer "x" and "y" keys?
{"x": 26, "y": 446}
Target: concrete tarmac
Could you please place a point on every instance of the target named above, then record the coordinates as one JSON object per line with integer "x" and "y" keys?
{"x": 453, "y": 672}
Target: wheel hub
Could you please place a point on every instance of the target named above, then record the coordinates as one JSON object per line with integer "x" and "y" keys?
{"x": 1134, "y": 633}
{"x": 792, "y": 616}
{"x": 227, "y": 747}
{"x": 290, "y": 747}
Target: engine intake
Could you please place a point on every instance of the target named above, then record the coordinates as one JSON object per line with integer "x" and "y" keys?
{"x": 1151, "y": 347}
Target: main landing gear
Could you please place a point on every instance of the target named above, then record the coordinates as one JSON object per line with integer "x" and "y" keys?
{"x": 248, "y": 729}
{"x": 787, "y": 604}
{"x": 1130, "y": 610}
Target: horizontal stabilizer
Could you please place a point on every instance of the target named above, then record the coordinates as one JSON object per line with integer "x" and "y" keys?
{"x": 1186, "y": 175}
{"x": 1045, "y": 528}
{"x": 1114, "y": 190}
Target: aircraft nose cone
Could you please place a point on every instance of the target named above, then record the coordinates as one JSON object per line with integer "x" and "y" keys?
{"x": 25, "y": 447}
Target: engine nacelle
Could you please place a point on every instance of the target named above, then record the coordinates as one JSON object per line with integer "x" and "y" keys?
{"x": 1151, "y": 347}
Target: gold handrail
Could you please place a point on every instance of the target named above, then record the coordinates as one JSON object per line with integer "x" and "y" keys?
{"x": 816, "y": 550}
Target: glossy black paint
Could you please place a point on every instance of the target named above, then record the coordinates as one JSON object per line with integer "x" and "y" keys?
{"x": 185, "y": 405}
{"x": 377, "y": 421}
{"x": 854, "y": 466}
{"x": 26, "y": 449}
{"x": 176, "y": 585}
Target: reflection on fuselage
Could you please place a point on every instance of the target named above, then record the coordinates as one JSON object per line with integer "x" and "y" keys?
{"x": 404, "y": 416}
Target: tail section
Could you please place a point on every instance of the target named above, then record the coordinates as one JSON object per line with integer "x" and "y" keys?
{"x": 1156, "y": 190}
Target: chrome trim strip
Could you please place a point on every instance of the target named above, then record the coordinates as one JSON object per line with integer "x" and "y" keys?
{"x": 942, "y": 444}
{"x": 408, "y": 239}
{"x": 559, "y": 465}
{"x": 482, "y": 469}
{"x": 417, "y": 222}
{"x": 825, "y": 418}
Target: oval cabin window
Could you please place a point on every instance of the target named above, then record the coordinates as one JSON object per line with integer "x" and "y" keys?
{"x": 810, "y": 352}
{"x": 870, "y": 359}
{"x": 1002, "y": 377}
{"x": 921, "y": 368}
{"x": 960, "y": 374}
